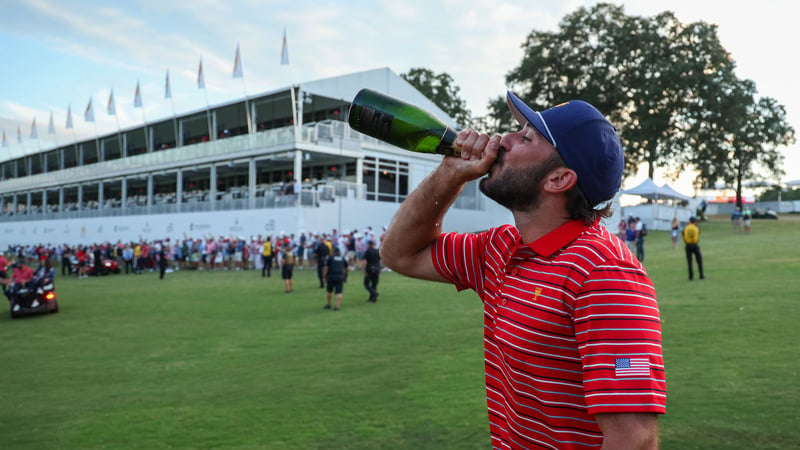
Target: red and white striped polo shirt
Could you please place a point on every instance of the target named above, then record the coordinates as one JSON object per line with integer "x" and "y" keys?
{"x": 571, "y": 329}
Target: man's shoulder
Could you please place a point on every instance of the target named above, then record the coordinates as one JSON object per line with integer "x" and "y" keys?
{"x": 597, "y": 246}
{"x": 502, "y": 238}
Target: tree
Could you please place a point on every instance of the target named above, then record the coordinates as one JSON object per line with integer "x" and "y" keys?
{"x": 654, "y": 77}
{"x": 441, "y": 90}
{"x": 744, "y": 139}
{"x": 779, "y": 193}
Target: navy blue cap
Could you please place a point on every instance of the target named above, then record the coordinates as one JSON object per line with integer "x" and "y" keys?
{"x": 586, "y": 141}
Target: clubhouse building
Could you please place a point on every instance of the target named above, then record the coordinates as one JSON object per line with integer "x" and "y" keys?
{"x": 226, "y": 171}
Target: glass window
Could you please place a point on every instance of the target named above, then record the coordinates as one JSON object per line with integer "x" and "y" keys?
{"x": 385, "y": 180}
{"x": 90, "y": 155}
{"x": 53, "y": 162}
{"x": 162, "y": 135}
{"x": 135, "y": 142}
{"x": 70, "y": 156}
{"x": 111, "y": 148}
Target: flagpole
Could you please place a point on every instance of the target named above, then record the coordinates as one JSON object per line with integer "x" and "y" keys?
{"x": 111, "y": 109}
{"x": 144, "y": 121}
{"x": 96, "y": 137}
{"x": 137, "y": 103}
{"x": 201, "y": 84}
{"x": 168, "y": 94}
{"x": 35, "y": 135}
{"x": 174, "y": 120}
{"x": 52, "y": 127}
{"x": 239, "y": 72}
{"x": 208, "y": 115}
{"x": 74, "y": 136}
{"x": 295, "y": 121}
{"x": 19, "y": 139}
{"x": 88, "y": 116}
{"x": 247, "y": 109}
{"x": 96, "y": 134}
{"x": 8, "y": 149}
{"x": 119, "y": 134}
{"x": 5, "y": 144}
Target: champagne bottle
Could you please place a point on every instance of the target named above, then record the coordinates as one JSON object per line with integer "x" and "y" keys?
{"x": 401, "y": 124}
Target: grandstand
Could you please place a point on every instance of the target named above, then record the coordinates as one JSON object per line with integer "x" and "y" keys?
{"x": 223, "y": 171}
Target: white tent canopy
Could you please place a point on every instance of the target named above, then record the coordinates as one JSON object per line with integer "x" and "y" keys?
{"x": 658, "y": 215}
{"x": 668, "y": 192}
{"x": 651, "y": 191}
{"x": 647, "y": 189}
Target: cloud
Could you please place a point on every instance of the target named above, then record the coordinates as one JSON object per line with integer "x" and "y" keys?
{"x": 90, "y": 46}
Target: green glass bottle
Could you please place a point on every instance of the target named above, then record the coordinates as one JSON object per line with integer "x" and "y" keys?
{"x": 401, "y": 124}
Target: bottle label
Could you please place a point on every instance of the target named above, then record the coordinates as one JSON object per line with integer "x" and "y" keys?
{"x": 375, "y": 123}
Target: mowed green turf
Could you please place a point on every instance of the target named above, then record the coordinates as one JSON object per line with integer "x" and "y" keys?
{"x": 228, "y": 360}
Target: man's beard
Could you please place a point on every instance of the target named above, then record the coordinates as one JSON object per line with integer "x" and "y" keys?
{"x": 518, "y": 188}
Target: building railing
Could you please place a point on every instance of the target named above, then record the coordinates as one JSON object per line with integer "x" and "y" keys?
{"x": 329, "y": 132}
{"x": 162, "y": 159}
{"x": 309, "y": 197}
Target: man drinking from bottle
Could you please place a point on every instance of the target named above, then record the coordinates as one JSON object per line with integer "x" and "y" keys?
{"x": 572, "y": 335}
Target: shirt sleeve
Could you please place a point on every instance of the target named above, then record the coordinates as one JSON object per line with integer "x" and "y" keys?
{"x": 618, "y": 329}
{"x": 459, "y": 259}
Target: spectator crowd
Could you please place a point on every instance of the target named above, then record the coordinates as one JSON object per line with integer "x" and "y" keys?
{"x": 205, "y": 253}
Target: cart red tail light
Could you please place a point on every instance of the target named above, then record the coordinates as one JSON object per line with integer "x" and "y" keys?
{"x": 50, "y": 296}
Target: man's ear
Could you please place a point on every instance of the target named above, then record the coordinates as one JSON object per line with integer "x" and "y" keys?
{"x": 560, "y": 180}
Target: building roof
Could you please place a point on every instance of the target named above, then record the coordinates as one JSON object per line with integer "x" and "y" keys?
{"x": 383, "y": 80}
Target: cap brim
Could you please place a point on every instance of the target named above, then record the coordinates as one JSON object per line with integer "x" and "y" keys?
{"x": 526, "y": 115}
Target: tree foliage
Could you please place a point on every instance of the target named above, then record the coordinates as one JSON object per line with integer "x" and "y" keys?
{"x": 668, "y": 87}
{"x": 745, "y": 141}
{"x": 441, "y": 90}
{"x": 778, "y": 193}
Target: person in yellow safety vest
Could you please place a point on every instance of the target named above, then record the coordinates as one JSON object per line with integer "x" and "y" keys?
{"x": 266, "y": 258}
{"x": 691, "y": 236}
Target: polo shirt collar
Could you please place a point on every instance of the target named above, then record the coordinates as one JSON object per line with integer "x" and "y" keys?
{"x": 559, "y": 238}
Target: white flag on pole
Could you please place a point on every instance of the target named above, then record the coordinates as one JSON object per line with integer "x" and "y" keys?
{"x": 284, "y": 50}
{"x": 111, "y": 108}
{"x": 167, "y": 88}
{"x": 88, "y": 115}
{"x": 237, "y": 64}
{"x": 69, "y": 117}
{"x": 137, "y": 97}
{"x": 201, "y": 80}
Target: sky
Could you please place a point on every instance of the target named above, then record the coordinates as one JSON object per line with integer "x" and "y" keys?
{"x": 56, "y": 55}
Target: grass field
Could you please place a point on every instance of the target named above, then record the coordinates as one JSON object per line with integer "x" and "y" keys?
{"x": 228, "y": 360}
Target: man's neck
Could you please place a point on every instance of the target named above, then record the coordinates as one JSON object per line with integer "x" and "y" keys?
{"x": 534, "y": 224}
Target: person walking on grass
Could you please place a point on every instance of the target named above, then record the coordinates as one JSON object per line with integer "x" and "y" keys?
{"x": 372, "y": 270}
{"x": 161, "y": 254}
{"x": 572, "y": 331}
{"x": 673, "y": 232}
{"x": 322, "y": 251}
{"x": 335, "y": 272}
{"x": 287, "y": 268}
{"x": 641, "y": 233}
{"x": 691, "y": 236}
{"x": 266, "y": 258}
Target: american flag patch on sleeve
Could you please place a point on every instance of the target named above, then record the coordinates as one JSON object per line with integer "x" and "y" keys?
{"x": 632, "y": 367}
